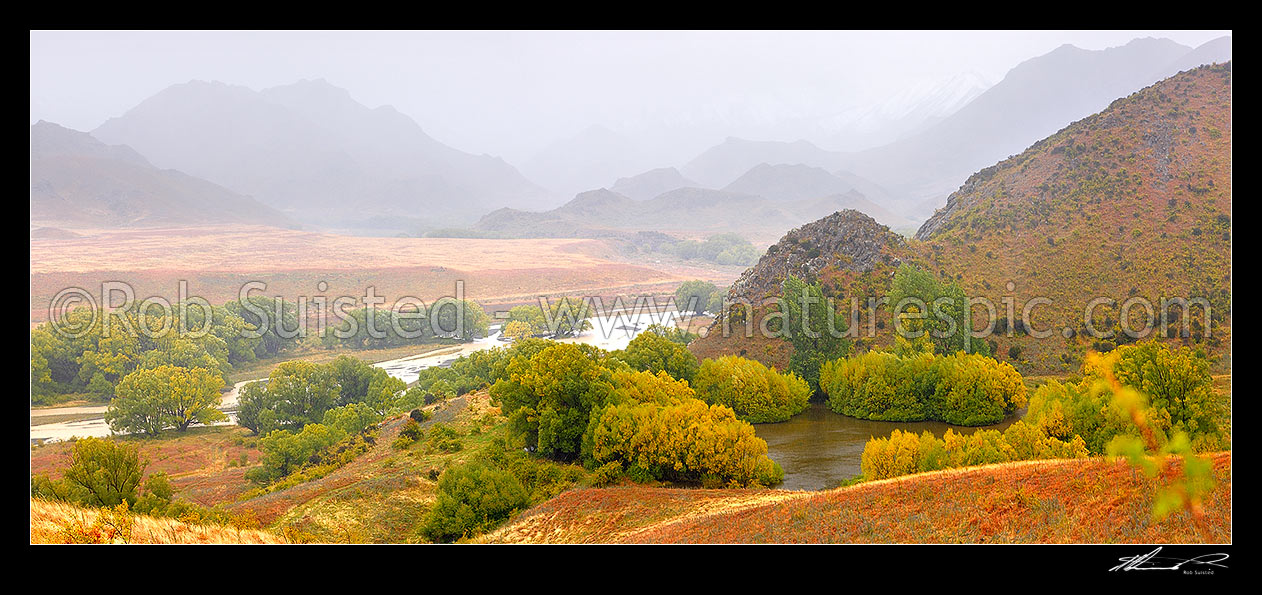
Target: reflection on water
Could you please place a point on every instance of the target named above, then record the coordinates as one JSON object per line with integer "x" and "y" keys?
{"x": 820, "y": 449}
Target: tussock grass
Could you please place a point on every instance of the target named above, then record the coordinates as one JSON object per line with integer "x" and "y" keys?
{"x": 56, "y": 522}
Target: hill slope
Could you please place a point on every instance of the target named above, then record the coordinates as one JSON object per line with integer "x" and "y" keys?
{"x": 50, "y": 521}
{"x": 1093, "y": 500}
{"x": 784, "y": 182}
{"x": 1132, "y": 202}
{"x": 78, "y": 181}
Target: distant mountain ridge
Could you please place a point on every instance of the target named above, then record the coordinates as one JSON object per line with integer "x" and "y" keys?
{"x": 311, "y": 150}
{"x": 684, "y": 210}
{"x": 652, "y": 183}
{"x": 78, "y": 181}
{"x": 1035, "y": 99}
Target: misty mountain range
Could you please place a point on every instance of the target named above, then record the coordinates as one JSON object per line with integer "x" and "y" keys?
{"x": 78, "y": 180}
{"x": 308, "y": 152}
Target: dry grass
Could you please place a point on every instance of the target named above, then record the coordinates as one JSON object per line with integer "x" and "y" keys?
{"x": 51, "y": 522}
{"x": 217, "y": 261}
{"x": 1076, "y": 501}
{"x": 202, "y": 462}
{"x": 256, "y": 248}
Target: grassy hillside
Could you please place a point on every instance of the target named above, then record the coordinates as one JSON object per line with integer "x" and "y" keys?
{"x": 1065, "y": 501}
{"x": 380, "y": 496}
{"x": 1132, "y": 202}
{"x": 204, "y": 464}
{"x": 58, "y": 522}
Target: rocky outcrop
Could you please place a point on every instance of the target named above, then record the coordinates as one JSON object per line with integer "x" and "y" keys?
{"x": 846, "y": 240}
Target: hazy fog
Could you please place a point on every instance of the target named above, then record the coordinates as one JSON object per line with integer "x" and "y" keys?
{"x": 514, "y": 94}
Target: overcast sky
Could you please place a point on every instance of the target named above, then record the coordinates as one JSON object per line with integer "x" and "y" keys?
{"x": 510, "y": 93}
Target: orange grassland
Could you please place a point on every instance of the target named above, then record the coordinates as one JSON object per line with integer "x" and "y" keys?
{"x": 50, "y": 521}
{"x": 203, "y": 464}
{"x": 217, "y": 261}
{"x": 1095, "y": 500}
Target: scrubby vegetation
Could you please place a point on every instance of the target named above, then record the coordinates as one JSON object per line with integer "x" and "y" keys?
{"x": 564, "y": 401}
{"x": 563, "y": 318}
{"x": 660, "y": 349}
{"x": 756, "y": 393}
{"x": 109, "y": 475}
{"x": 472, "y": 499}
{"x": 409, "y": 325}
{"x": 724, "y": 248}
{"x": 299, "y": 393}
{"x": 1178, "y": 390}
{"x": 1109, "y": 412}
{"x": 105, "y": 347}
{"x": 962, "y": 389}
{"x": 904, "y": 453}
{"x": 684, "y": 440}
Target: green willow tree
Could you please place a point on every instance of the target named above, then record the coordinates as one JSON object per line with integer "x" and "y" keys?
{"x": 939, "y": 308}
{"x": 152, "y": 400}
{"x": 814, "y": 328}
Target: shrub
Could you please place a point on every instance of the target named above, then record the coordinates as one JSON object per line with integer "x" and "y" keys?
{"x": 285, "y": 451}
{"x": 653, "y": 352}
{"x": 408, "y": 435}
{"x": 684, "y": 441}
{"x": 905, "y": 453}
{"x": 607, "y": 474}
{"x": 756, "y": 393}
{"x": 1176, "y": 383}
{"x": 103, "y": 472}
{"x": 472, "y": 499}
{"x": 420, "y": 415}
{"x": 444, "y": 438}
{"x": 549, "y": 396}
{"x": 961, "y": 389}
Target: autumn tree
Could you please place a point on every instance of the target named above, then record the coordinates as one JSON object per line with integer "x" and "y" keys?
{"x": 941, "y": 306}
{"x": 517, "y": 330}
{"x": 296, "y": 393}
{"x": 654, "y": 352}
{"x": 757, "y": 393}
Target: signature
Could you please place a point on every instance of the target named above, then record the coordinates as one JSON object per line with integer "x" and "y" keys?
{"x": 1151, "y": 561}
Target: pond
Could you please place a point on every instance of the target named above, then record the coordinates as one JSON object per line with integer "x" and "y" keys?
{"x": 819, "y": 449}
